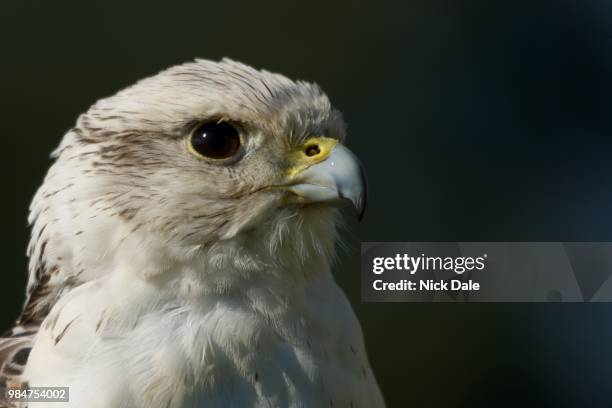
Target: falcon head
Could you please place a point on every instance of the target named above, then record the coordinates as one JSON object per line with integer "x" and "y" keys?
{"x": 200, "y": 156}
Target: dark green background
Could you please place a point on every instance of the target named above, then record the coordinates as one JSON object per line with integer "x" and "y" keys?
{"x": 476, "y": 121}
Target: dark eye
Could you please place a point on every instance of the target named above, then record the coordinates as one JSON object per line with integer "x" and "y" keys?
{"x": 216, "y": 140}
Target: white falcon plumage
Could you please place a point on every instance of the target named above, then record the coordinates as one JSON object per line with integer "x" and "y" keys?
{"x": 181, "y": 248}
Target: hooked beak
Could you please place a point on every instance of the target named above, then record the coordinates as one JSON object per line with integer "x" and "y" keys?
{"x": 329, "y": 173}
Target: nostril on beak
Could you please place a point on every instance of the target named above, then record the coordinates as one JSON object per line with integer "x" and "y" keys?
{"x": 312, "y": 150}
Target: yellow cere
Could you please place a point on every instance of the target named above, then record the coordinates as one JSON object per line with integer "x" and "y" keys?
{"x": 315, "y": 150}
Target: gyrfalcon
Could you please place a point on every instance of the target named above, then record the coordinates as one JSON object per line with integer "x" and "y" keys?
{"x": 181, "y": 246}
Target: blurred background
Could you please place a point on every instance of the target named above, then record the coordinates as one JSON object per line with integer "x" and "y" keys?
{"x": 476, "y": 121}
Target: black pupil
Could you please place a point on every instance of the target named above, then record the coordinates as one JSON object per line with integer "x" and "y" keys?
{"x": 216, "y": 140}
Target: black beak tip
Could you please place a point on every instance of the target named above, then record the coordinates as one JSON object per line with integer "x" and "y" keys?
{"x": 361, "y": 207}
{"x": 360, "y": 214}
